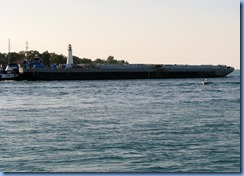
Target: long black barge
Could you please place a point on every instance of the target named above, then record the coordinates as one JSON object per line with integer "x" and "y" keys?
{"x": 127, "y": 71}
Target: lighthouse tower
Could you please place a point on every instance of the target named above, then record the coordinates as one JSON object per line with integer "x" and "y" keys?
{"x": 70, "y": 56}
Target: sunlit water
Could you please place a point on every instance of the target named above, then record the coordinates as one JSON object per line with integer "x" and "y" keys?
{"x": 165, "y": 125}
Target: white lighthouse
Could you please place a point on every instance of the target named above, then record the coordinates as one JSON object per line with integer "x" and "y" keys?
{"x": 70, "y": 56}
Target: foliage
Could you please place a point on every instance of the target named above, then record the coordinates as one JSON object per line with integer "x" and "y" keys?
{"x": 46, "y": 58}
{"x": 78, "y": 60}
{"x": 57, "y": 59}
{"x": 53, "y": 58}
{"x": 99, "y": 61}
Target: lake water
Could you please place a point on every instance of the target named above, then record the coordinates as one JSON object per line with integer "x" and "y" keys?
{"x": 164, "y": 125}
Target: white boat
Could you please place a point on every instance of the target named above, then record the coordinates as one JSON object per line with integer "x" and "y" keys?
{"x": 8, "y": 76}
{"x": 10, "y": 73}
{"x": 206, "y": 82}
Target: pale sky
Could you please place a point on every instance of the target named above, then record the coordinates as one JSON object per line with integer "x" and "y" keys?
{"x": 140, "y": 31}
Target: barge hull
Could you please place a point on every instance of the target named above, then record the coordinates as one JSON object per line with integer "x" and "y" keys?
{"x": 113, "y": 75}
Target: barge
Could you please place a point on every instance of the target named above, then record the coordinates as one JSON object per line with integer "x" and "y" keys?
{"x": 130, "y": 71}
{"x": 34, "y": 70}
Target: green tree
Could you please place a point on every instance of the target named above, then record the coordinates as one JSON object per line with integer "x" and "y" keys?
{"x": 53, "y": 58}
{"x": 110, "y": 60}
{"x": 57, "y": 59}
{"x": 85, "y": 61}
{"x": 76, "y": 60}
{"x": 3, "y": 59}
{"x": 122, "y": 62}
{"x": 46, "y": 58}
{"x": 99, "y": 61}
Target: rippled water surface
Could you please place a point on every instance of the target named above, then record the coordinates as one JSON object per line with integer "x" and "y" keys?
{"x": 165, "y": 125}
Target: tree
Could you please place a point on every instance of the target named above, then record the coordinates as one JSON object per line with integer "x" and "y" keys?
{"x": 46, "y": 58}
{"x": 53, "y": 58}
{"x": 122, "y": 62}
{"x": 3, "y": 59}
{"x": 86, "y": 61}
{"x": 76, "y": 60}
{"x": 57, "y": 59}
{"x": 111, "y": 60}
{"x": 99, "y": 61}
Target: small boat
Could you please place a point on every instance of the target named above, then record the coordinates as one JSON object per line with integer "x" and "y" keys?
{"x": 10, "y": 73}
{"x": 206, "y": 82}
{"x": 8, "y": 76}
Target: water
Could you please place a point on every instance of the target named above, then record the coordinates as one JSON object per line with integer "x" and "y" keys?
{"x": 167, "y": 125}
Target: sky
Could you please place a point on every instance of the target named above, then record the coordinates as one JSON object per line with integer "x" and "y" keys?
{"x": 191, "y": 32}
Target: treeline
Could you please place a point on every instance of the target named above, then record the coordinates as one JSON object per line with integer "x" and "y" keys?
{"x": 53, "y": 58}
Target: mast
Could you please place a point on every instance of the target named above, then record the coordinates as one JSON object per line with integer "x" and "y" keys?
{"x": 8, "y": 51}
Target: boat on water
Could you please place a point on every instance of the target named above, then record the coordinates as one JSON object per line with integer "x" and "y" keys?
{"x": 35, "y": 70}
{"x": 10, "y": 73}
{"x": 131, "y": 71}
{"x": 8, "y": 76}
{"x": 206, "y": 82}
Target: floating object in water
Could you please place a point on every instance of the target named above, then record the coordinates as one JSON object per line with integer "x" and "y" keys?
{"x": 206, "y": 82}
